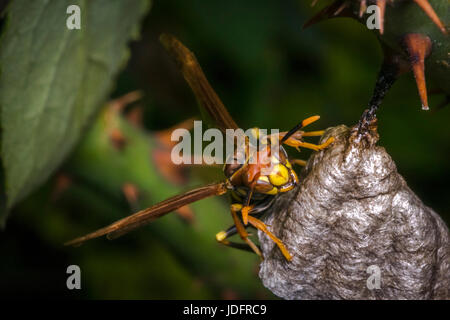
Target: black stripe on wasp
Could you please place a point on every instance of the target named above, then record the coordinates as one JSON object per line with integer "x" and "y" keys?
{"x": 253, "y": 185}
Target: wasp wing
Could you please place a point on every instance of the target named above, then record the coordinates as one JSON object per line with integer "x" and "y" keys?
{"x": 196, "y": 79}
{"x": 152, "y": 213}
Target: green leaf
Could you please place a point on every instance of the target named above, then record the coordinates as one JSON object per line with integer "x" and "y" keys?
{"x": 53, "y": 79}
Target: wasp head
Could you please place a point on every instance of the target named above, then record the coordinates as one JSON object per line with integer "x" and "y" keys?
{"x": 266, "y": 169}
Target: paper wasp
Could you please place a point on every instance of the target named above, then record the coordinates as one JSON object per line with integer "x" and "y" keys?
{"x": 253, "y": 185}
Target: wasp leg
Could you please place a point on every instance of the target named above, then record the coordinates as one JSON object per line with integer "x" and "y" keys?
{"x": 258, "y": 224}
{"x": 313, "y": 133}
{"x": 222, "y": 236}
{"x": 298, "y": 162}
{"x": 245, "y": 212}
{"x": 316, "y": 147}
{"x": 241, "y": 229}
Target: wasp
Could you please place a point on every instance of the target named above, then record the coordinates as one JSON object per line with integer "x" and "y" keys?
{"x": 253, "y": 185}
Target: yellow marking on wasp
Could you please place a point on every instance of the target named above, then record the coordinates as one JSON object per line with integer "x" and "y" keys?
{"x": 294, "y": 180}
{"x": 274, "y": 191}
{"x": 279, "y": 175}
{"x": 236, "y": 206}
{"x": 288, "y": 164}
{"x": 285, "y": 189}
{"x": 220, "y": 236}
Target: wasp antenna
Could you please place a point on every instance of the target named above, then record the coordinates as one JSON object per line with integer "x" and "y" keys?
{"x": 382, "y": 5}
{"x": 428, "y": 9}
{"x": 291, "y": 132}
{"x": 310, "y": 120}
{"x": 302, "y": 124}
{"x": 418, "y": 47}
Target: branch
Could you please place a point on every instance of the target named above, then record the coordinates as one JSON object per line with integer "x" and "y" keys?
{"x": 351, "y": 211}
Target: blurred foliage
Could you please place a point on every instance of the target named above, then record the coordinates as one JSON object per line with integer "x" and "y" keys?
{"x": 53, "y": 80}
{"x": 270, "y": 73}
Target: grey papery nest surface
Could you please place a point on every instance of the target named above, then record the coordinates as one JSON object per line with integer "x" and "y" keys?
{"x": 352, "y": 211}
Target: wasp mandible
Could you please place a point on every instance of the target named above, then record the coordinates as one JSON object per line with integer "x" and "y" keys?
{"x": 253, "y": 185}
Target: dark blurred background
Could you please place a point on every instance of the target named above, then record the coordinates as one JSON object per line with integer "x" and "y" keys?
{"x": 269, "y": 73}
